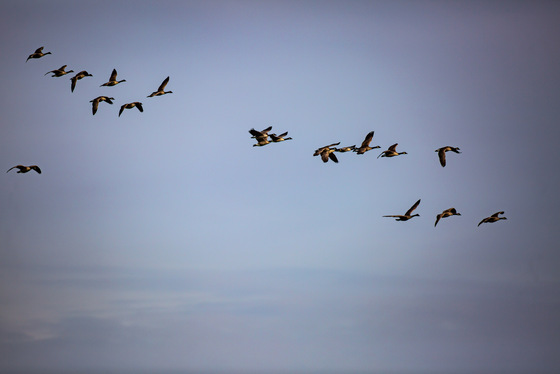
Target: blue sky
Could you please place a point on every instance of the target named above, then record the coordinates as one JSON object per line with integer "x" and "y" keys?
{"x": 164, "y": 240}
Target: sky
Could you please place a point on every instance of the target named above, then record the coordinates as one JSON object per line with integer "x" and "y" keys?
{"x": 163, "y": 241}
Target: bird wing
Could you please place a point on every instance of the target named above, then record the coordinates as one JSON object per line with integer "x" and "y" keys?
{"x": 412, "y": 208}
{"x": 265, "y": 131}
{"x": 113, "y": 76}
{"x": 481, "y": 222}
{"x": 38, "y": 50}
{"x": 367, "y": 140}
{"x": 139, "y": 106}
{"x": 163, "y": 84}
{"x": 497, "y": 214}
{"x": 332, "y": 156}
{"x": 437, "y": 219}
{"x": 74, "y": 80}
{"x": 13, "y": 167}
{"x": 441, "y": 155}
{"x": 36, "y": 168}
{"x": 94, "y": 105}
{"x": 122, "y": 108}
{"x": 393, "y": 147}
{"x": 255, "y": 133}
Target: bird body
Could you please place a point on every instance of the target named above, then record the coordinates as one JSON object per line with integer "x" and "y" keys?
{"x": 408, "y": 215}
{"x": 391, "y": 152}
{"x": 441, "y": 153}
{"x": 95, "y": 102}
{"x": 113, "y": 80}
{"x": 60, "y": 71}
{"x": 38, "y": 54}
{"x": 279, "y": 138}
{"x": 446, "y": 213}
{"x": 25, "y": 169}
{"x": 130, "y": 106}
{"x": 493, "y": 218}
{"x": 160, "y": 91}
{"x": 327, "y": 152}
{"x": 77, "y": 77}
{"x": 365, "y": 144}
{"x": 346, "y": 149}
{"x": 260, "y": 136}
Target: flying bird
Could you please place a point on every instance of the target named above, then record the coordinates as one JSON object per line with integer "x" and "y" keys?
{"x": 130, "y": 106}
{"x": 60, "y": 71}
{"x": 493, "y": 218}
{"x": 346, "y": 149}
{"x": 327, "y": 152}
{"x": 391, "y": 152}
{"x": 160, "y": 91}
{"x": 113, "y": 80}
{"x": 77, "y": 77}
{"x": 37, "y": 54}
{"x": 446, "y": 213}
{"x": 365, "y": 144}
{"x": 408, "y": 213}
{"x": 25, "y": 169}
{"x": 441, "y": 153}
{"x": 260, "y": 136}
{"x": 279, "y": 138}
{"x": 95, "y": 102}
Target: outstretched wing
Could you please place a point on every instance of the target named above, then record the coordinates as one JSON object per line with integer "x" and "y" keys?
{"x": 36, "y": 168}
{"x": 497, "y": 214}
{"x": 163, "y": 84}
{"x": 367, "y": 140}
{"x": 113, "y": 76}
{"x": 139, "y": 106}
{"x": 408, "y": 212}
{"x": 393, "y": 147}
{"x": 332, "y": 156}
{"x": 441, "y": 155}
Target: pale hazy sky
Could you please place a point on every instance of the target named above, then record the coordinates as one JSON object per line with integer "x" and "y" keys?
{"x": 164, "y": 240}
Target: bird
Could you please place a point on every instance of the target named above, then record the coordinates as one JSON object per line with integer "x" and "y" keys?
{"x": 130, "y": 106}
{"x": 260, "y": 136}
{"x": 493, "y": 218}
{"x": 441, "y": 153}
{"x": 446, "y": 213}
{"x": 319, "y": 150}
{"x": 160, "y": 91}
{"x": 327, "y": 152}
{"x": 77, "y": 77}
{"x": 391, "y": 152}
{"x": 60, "y": 71}
{"x": 279, "y": 138}
{"x": 346, "y": 149}
{"x": 113, "y": 80}
{"x": 25, "y": 169}
{"x": 38, "y": 54}
{"x": 365, "y": 144}
{"x": 407, "y": 215}
{"x": 97, "y": 100}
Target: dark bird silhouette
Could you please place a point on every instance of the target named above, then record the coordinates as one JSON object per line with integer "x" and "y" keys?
{"x": 260, "y": 136}
{"x": 493, "y": 218}
{"x": 327, "y": 152}
{"x": 77, "y": 77}
{"x": 60, "y": 71}
{"x": 391, "y": 152}
{"x": 160, "y": 91}
{"x": 408, "y": 213}
{"x": 37, "y": 54}
{"x": 365, "y": 144}
{"x": 130, "y": 106}
{"x": 95, "y": 102}
{"x": 446, "y": 213}
{"x": 25, "y": 169}
{"x": 441, "y": 153}
{"x": 346, "y": 149}
{"x": 279, "y": 138}
{"x": 113, "y": 79}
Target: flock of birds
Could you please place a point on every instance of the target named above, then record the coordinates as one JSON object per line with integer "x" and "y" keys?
{"x": 262, "y": 137}
{"x": 328, "y": 153}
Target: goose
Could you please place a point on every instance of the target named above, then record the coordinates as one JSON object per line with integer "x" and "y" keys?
{"x": 493, "y": 218}
{"x": 327, "y": 153}
{"x": 446, "y": 213}
{"x": 113, "y": 79}
{"x": 260, "y": 136}
{"x": 365, "y": 144}
{"x": 99, "y": 99}
{"x": 38, "y": 54}
{"x": 130, "y": 106}
{"x": 391, "y": 152}
{"x": 279, "y": 138}
{"x": 160, "y": 91}
{"x": 407, "y": 215}
{"x": 77, "y": 77}
{"x": 441, "y": 153}
{"x": 319, "y": 150}
{"x": 60, "y": 71}
{"x": 25, "y": 169}
{"x": 346, "y": 149}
